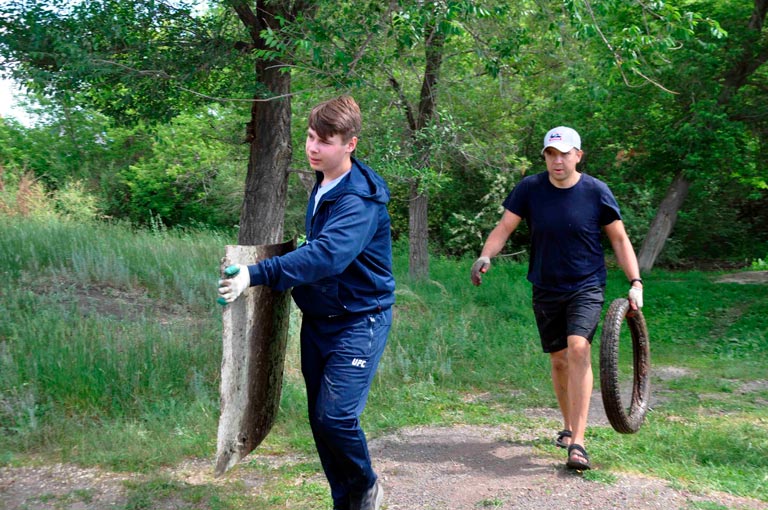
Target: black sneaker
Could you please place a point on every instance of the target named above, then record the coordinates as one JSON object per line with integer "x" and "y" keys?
{"x": 368, "y": 500}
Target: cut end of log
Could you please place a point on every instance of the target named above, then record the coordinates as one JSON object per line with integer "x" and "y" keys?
{"x": 225, "y": 461}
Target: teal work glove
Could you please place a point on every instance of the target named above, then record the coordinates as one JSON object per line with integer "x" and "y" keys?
{"x": 237, "y": 279}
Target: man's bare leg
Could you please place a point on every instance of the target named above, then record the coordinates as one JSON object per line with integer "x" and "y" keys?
{"x": 559, "y": 362}
{"x": 580, "y": 380}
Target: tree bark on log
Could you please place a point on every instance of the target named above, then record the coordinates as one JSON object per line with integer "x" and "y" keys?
{"x": 255, "y": 334}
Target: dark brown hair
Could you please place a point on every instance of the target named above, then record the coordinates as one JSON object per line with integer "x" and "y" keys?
{"x": 337, "y": 116}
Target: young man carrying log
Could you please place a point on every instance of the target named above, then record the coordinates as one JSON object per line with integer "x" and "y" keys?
{"x": 343, "y": 283}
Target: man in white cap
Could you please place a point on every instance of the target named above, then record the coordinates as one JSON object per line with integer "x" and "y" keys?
{"x": 566, "y": 212}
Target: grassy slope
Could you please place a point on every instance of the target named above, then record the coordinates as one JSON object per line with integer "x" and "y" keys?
{"x": 109, "y": 345}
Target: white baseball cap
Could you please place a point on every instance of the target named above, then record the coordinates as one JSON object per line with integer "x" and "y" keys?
{"x": 562, "y": 138}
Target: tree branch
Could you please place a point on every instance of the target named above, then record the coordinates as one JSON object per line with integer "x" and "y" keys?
{"x": 167, "y": 77}
{"x": 404, "y": 101}
{"x": 392, "y": 5}
{"x": 249, "y": 19}
{"x": 749, "y": 60}
{"x": 617, "y": 56}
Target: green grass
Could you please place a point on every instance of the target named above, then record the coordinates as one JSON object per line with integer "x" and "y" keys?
{"x": 110, "y": 352}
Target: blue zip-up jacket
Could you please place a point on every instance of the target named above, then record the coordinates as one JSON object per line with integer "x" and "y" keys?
{"x": 345, "y": 266}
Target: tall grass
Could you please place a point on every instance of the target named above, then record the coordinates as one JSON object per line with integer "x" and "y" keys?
{"x": 462, "y": 337}
{"x": 175, "y": 266}
{"x": 103, "y": 323}
{"x": 110, "y": 345}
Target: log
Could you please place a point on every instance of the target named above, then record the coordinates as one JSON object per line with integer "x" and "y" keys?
{"x": 254, "y": 336}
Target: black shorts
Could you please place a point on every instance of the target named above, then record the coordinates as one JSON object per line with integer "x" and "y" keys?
{"x": 562, "y": 314}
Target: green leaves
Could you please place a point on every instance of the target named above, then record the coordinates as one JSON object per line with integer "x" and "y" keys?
{"x": 639, "y": 39}
{"x": 131, "y": 60}
{"x": 186, "y": 178}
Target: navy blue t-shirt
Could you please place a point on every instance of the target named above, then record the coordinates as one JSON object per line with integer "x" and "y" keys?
{"x": 565, "y": 226}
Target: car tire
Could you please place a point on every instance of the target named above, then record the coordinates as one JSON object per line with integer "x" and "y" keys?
{"x": 623, "y": 421}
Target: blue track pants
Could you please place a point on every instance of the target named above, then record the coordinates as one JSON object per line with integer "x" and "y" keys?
{"x": 339, "y": 357}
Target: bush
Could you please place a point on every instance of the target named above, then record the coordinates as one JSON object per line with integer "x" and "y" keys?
{"x": 25, "y": 197}
{"x": 73, "y": 201}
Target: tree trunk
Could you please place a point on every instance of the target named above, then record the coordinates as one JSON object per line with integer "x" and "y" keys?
{"x": 266, "y": 183}
{"x": 663, "y": 222}
{"x": 269, "y": 131}
{"x": 418, "y": 224}
{"x": 418, "y": 236}
{"x": 754, "y": 54}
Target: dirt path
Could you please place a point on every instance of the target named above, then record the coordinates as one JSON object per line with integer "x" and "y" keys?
{"x": 745, "y": 277}
{"x": 458, "y": 468}
{"x": 470, "y": 467}
{"x": 425, "y": 468}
